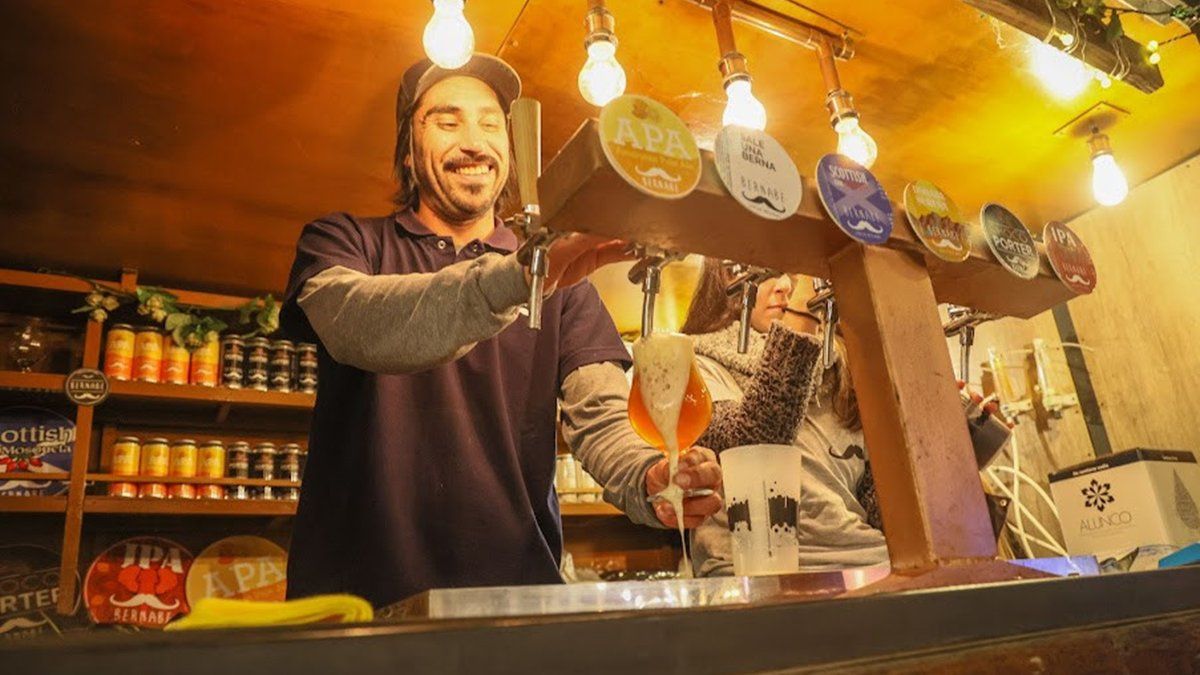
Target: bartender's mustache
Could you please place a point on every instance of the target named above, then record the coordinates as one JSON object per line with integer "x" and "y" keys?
{"x": 462, "y": 162}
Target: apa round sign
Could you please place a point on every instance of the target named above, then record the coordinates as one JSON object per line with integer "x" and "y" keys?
{"x": 854, "y": 199}
{"x": 758, "y": 172}
{"x": 649, "y": 146}
{"x": 241, "y": 567}
{"x": 34, "y": 440}
{"x": 138, "y": 582}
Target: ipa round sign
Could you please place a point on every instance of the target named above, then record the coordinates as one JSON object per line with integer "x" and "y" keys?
{"x": 649, "y": 146}
{"x": 138, "y": 582}
{"x": 1069, "y": 258}
{"x": 758, "y": 172}
{"x": 854, "y": 199}
{"x": 937, "y": 221}
{"x": 1009, "y": 240}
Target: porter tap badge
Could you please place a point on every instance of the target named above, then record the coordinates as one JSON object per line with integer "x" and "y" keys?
{"x": 649, "y": 146}
{"x": 758, "y": 172}
{"x": 1010, "y": 241}
{"x": 1069, "y": 258}
{"x": 240, "y": 568}
{"x": 937, "y": 221}
{"x": 86, "y": 386}
{"x": 29, "y": 578}
{"x": 854, "y": 199}
{"x": 138, "y": 582}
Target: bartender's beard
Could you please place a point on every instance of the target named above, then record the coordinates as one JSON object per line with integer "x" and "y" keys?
{"x": 457, "y": 203}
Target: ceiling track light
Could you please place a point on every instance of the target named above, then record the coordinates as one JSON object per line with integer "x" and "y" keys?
{"x": 602, "y": 78}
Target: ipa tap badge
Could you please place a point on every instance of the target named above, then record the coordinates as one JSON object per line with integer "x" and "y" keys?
{"x": 240, "y": 568}
{"x": 937, "y": 221}
{"x": 758, "y": 172}
{"x": 1010, "y": 241}
{"x": 649, "y": 146}
{"x": 1069, "y": 258}
{"x": 138, "y": 582}
{"x": 854, "y": 199}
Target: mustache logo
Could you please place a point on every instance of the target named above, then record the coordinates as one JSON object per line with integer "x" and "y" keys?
{"x": 32, "y": 485}
{"x": 864, "y": 226}
{"x": 17, "y": 623}
{"x": 1079, "y": 280}
{"x": 947, "y": 243}
{"x": 763, "y": 201}
{"x": 143, "y": 599}
{"x": 655, "y": 172}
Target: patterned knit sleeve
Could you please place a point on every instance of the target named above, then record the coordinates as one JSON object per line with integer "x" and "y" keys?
{"x": 776, "y": 399}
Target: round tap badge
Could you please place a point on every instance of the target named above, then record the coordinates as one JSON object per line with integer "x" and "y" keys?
{"x": 241, "y": 568}
{"x": 138, "y": 582}
{"x": 758, "y": 172}
{"x": 937, "y": 221}
{"x": 854, "y": 199}
{"x": 29, "y": 593}
{"x": 1069, "y": 258}
{"x": 34, "y": 440}
{"x": 1010, "y": 241}
{"x": 649, "y": 146}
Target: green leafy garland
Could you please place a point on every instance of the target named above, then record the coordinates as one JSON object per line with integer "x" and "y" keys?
{"x": 1108, "y": 18}
{"x": 187, "y": 325}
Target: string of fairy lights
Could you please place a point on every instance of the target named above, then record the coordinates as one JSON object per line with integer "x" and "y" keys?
{"x": 449, "y": 42}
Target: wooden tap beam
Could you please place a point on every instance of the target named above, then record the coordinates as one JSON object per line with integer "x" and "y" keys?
{"x": 580, "y": 192}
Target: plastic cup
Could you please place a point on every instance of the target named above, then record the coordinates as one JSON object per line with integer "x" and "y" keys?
{"x": 762, "y": 498}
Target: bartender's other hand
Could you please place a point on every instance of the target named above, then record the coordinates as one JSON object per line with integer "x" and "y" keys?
{"x": 575, "y": 256}
{"x": 698, "y": 469}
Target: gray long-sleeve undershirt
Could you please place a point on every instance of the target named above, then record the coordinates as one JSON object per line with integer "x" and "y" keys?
{"x": 405, "y": 323}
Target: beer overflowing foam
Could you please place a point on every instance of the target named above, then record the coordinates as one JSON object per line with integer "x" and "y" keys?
{"x": 663, "y": 364}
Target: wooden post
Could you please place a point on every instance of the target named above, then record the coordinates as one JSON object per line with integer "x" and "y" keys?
{"x": 73, "y": 530}
{"x": 928, "y": 486}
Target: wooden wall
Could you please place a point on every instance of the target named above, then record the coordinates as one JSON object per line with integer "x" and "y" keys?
{"x": 1142, "y": 324}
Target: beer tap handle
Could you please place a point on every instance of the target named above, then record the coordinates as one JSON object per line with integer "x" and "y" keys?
{"x": 527, "y": 149}
{"x": 828, "y": 326}
{"x": 527, "y": 141}
{"x": 966, "y": 338}
{"x": 749, "y": 295}
{"x": 651, "y": 283}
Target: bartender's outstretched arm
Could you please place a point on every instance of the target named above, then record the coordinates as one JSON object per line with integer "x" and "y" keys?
{"x": 403, "y": 323}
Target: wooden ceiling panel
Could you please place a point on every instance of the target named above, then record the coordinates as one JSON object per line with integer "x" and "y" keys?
{"x": 193, "y": 138}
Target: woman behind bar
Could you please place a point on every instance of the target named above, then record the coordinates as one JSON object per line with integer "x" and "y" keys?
{"x": 774, "y": 394}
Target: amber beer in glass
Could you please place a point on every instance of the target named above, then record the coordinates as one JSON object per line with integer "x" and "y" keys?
{"x": 694, "y": 416}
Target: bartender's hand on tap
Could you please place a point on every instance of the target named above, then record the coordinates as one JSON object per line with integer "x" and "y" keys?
{"x": 698, "y": 469}
{"x": 575, "y": 256}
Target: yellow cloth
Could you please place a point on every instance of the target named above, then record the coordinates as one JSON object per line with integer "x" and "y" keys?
{"x": 222, "y": 613}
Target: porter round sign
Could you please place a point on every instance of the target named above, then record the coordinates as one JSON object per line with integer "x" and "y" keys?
{"x": 1010, "y": 241}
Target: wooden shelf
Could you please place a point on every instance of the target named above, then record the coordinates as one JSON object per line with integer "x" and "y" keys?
{"x": 589, "y": 509}
{"x": 230, "y": 482}
{"x": 196, "y": 395}
{"x": 33, "y": 504}
{"x": 43, "y": 382}
{"x": 29, "y": 475}
{"x": 188, "y": 507}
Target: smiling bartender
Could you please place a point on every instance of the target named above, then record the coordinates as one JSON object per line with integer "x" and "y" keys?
{"x": 431, "y": 451}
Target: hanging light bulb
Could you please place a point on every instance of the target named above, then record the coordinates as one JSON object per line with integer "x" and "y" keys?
{"x": 1064, "y": 76}
{"x": 742, "y": 109}
{"x": 602, "y": 78}
{"x": 1108, "y": 181}
{"x": 855, "y": 143}
{"x": 449, "y": 41}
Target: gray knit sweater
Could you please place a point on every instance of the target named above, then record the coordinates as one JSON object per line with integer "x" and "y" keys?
{"x": 770, "y": 395}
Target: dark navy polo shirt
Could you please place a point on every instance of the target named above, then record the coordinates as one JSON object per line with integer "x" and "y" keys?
{"x": 444, "y": 477}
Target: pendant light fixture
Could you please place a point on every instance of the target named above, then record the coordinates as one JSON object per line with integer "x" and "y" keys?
{"x": 1108, "y": 181}
{"x": 449, "y": 40}
{"x": 602, "y": 78}
{"x": 853, "y": 141}
{"x": 741, "y": 108}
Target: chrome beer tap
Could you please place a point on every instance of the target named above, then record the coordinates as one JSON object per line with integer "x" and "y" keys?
{"x": 962, "y": 323}
{"x": 824, "y": 305}
{"x": 647, "y": 271}
{"x": 747, "y": 279}
{"x": 534, "y": 252}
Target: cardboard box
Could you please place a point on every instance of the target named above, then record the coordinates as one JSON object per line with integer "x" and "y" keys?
{"x": 1138, "y": 497}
